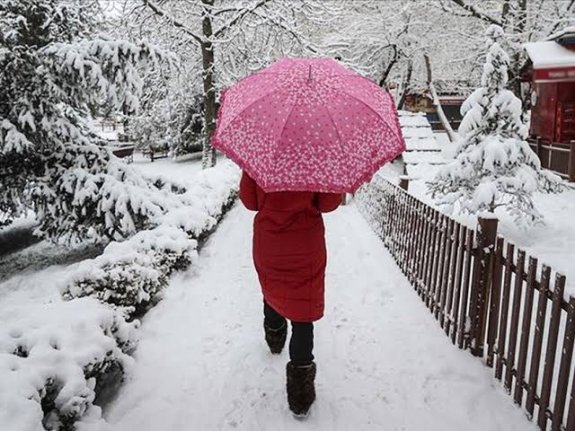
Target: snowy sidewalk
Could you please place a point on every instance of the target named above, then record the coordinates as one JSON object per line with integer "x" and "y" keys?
{"x": 383, "y": 362}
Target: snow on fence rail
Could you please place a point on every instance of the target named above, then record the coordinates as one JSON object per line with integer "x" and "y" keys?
{"x": 488, "y": 297}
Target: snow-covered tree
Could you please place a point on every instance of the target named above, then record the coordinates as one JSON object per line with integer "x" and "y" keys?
{"x": 494, "y": 165}
{"x": 228, "y": 40}
{"x": 54, "y": 72}
{"x": 388, "y": 41}
{"x": 522, "y": 21}
{"x": 377, "y": 40}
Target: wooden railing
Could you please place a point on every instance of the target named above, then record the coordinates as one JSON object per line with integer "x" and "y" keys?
{"x": 555, "y": 156}
{"x": 488, "y": 296}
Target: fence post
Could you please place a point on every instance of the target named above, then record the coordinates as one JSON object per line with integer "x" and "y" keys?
{"x": 538, "y": 142}
{"x": 404, "y": 182}
{"x": 482, "y": 282}
{"x": 572, "y": 162}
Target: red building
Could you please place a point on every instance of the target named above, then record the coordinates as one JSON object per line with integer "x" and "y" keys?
{"x": 552, "y": 77}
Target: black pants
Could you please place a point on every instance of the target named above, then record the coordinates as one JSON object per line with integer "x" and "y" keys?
{"x": 301, "y": 342}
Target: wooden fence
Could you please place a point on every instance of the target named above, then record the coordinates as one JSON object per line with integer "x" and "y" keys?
{"x": 488, "y": 296}
{"x": 556, "y": 156}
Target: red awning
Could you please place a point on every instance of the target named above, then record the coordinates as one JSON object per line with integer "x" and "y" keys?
{"x": 556, "y": 74}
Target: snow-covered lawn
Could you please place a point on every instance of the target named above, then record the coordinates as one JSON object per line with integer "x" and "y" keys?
{"x": 53, "y": 350}
{"x": 383, "y": 363}
{"x": 553, "y": 243}
{"x": 33, "y": 287}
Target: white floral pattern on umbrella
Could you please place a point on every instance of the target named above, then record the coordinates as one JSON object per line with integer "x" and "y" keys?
{"x": 308, "y": 125}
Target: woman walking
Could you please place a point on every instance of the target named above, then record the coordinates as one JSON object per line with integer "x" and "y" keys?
{"x": 290, "y": 258}
{"x": 306, "y": 131}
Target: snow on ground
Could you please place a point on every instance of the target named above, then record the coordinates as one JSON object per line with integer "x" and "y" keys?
{"x": 46, "y": 342}
{"x": 383, "y": 362}
{"x": 33, "y": 287}
{"x": 181, "y": 170}
{"x": 41, "y": 255}
{"x": 553, "y": 243}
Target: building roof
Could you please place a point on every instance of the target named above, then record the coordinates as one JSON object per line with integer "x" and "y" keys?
{"x": 417, "y": 134}
{"x": 444, "y": 88}
{"x": 549, "y": 54}
{"x": 563, "y": 35}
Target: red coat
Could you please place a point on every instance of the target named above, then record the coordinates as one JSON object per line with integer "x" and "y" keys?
{"x": 289, "y": 248}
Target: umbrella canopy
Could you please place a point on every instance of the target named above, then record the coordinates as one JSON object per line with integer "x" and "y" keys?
{"x": 308, "y": 125}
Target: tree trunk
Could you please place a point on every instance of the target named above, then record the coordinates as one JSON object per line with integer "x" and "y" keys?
{"x": 521, "y": 16}
{"x": 406, "y": 85}
{"x": 209, "y": 153}
{"x": 519, "y": 24}
{"x": 505, "y": 14}
{"x": 390, "y": 65}
{"x": 442, "y": 117}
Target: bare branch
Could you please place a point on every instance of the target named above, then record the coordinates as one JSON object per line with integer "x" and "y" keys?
{"x": 221, "y": 11}
{"x": 505, "y": 15}
{"x": 448, "y": 9}
{"x": 406, "y": 84}
{"x": 477, "y": 13}
{"x": 176, "y": 23}
{"x": 390, "y": 65}
{"x": 568, "y": 10}
{"x": 289, "y": 30}
{"x": 234, "y": 21}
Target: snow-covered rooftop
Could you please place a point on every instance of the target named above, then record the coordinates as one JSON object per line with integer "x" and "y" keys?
{"x": 412, "y": 119}
{"x": 412, "y": 144}
{"x": 561, "y": 33}
{"x": 549, "y": 54}
{"x": 410, "y": 132}
{"x": 419, "y": 138}
{"x": 416, "y": 157}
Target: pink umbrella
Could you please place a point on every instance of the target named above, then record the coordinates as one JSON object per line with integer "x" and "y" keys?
{"x": 308, "y": 125}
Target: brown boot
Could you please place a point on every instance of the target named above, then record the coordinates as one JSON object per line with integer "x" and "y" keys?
{"x": 300, "y": 388}
{"x": 276, "y": 338}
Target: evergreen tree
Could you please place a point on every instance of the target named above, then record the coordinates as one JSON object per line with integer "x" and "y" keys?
{"x": 54, "y": 72}
{"x": 494, "y": 165}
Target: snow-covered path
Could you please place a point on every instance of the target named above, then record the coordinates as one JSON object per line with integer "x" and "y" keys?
{"x": 383, "y": 362}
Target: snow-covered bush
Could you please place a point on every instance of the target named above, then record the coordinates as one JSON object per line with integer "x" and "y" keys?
{"x": 131, "y": 275}
{"x": 60, "y": 361}
{"x": 94, "y": 195}
{"x": 54, "y": 71}
{"x": 54, "y": 360}
{"x": 204, "y": 201}
{"x": 494, "y": 165}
